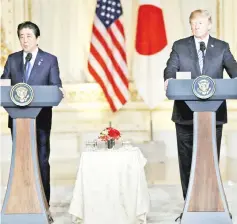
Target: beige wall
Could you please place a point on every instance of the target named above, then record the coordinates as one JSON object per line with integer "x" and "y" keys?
{"x": 66, "y": 26}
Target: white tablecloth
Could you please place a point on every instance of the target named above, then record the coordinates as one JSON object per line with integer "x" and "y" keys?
{"x": 111, "y": 188}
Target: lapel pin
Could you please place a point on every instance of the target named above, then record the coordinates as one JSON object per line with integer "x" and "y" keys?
{"x": 41, "y": 60}
{"x": 212, "y": 45}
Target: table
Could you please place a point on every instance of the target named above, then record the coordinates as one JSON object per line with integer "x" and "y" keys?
{"x": 111, "y": 188}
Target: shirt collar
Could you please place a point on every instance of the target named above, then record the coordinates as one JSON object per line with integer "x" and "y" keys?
{"x": 198, "y": 40}
{"x": 34, "y": 54}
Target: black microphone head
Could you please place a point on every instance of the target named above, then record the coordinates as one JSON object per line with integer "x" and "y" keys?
{"x": 28, "y": 57}
{"x": 202, "y": 46}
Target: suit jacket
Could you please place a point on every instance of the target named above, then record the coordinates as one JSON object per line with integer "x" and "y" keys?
{"x": 45, "y": 71}
{"x": 184, "y": 58}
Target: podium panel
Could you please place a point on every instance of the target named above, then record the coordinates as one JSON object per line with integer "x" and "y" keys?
{"x": 203, "y": 198}
{"x": 205, "y": 201}
{"x": 23, "y": 197}
{"x": 25, "y": 201}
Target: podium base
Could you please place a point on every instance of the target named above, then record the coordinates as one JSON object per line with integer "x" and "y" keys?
{"x": 206, "y": 218}
{"x": 24, "y": 219}
{"x": 24, "y": 201}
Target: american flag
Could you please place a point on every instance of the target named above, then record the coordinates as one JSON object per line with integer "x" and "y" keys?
{"x": 107, "y": 59}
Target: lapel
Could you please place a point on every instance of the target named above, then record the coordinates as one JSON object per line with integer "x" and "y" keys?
{"x": 194, "y": 56}
{"x": 37, "y": 67}
{"x": 209, "y": 54}
{"x": 20, "y": 67}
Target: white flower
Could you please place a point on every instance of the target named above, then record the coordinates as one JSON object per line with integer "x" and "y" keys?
{"x": 104, "y": 132}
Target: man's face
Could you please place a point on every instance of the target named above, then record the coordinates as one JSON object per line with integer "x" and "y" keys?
{"x": 28, "y": 40}
{"x": 200, "y": 26}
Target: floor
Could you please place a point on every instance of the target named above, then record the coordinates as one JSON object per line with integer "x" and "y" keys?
{"x": 166, "y": 203}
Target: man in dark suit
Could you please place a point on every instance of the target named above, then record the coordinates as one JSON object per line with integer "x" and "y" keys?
{"x": 41, "y": 69}
{"x": 198, "y": 54}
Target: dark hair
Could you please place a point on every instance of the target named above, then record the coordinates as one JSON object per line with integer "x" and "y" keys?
{"x": 29, "y": 25}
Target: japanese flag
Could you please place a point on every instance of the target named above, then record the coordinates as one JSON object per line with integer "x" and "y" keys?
{"x": 151, "y": 52}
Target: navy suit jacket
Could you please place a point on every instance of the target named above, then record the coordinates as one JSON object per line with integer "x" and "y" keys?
{"x": 45, "y": 71}
{"x": 184, "y": 58}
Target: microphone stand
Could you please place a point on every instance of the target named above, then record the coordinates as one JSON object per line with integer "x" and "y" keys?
{"x": 24, "y": 75}
{"x": 203, "y": 58}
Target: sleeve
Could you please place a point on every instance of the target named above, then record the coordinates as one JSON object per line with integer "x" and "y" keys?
{"x": 229, "y": 63}
{"x": 172, "y": 65}
{"x": 7, "y": 71}
{"x": 54, "y": 76}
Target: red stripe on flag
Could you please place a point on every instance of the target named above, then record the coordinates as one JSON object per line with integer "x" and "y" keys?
{"x": 117, "y": 44}
{"x": 101, "y": 83}
{"x": 120, "y": 27}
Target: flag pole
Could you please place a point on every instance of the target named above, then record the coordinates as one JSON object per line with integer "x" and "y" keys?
{"x": 151, "y": 127}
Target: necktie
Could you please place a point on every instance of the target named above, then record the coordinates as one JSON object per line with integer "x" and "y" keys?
{"x": 27, "y": 71}
{"x": 200, "y": 55}
{"x": 200, "y": 60}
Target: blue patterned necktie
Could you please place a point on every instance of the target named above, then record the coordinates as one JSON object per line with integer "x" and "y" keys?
{"x": 27, "y": 71}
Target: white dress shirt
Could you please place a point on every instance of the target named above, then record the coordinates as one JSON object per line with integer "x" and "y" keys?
{"x": 198, "y": 40}
{"x": 34, "y": 54}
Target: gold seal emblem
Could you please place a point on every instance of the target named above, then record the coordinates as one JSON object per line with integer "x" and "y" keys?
{"x": 203, "y": 87}
{"x": 21, "y": 94}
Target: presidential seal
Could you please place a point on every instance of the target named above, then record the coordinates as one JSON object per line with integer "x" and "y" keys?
{"x": 21, "y": 94}
{"x": 203, "y": 87}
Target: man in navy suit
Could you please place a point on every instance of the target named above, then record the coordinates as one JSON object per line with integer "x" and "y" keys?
{"x": 187, "y": 55}
{"x": 42, "y": 69}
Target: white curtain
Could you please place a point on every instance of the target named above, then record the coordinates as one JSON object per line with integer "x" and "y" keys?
{"x": 228, "y": 23}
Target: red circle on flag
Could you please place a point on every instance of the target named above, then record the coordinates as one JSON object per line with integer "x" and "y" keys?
{"x": 151, "y": 35}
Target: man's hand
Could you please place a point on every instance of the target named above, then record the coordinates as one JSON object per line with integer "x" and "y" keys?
{"x": 63, "y": 92}
{"x": 166, "y": 84}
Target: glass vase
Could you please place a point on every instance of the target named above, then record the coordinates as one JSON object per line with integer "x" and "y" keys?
{"x": 110, "y": 143}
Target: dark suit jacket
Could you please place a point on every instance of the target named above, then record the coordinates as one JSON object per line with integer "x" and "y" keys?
{"x": 44, "y": 72}
{"x": 184, "y": 58}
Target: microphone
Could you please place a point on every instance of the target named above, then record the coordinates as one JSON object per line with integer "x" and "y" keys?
{"x": 202, "y": 48}
{"x": 27, "y": 58}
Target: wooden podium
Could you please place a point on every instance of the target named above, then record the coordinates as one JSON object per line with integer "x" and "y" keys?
{"x": 206, "y": 201}
{"x": 25, "y": 201}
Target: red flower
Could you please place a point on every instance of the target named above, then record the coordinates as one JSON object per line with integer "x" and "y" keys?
{"x": 109, "y": 133}
{"x": 113, "y": 133}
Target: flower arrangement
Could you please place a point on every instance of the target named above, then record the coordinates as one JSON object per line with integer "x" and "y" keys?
{"x": 109, "y": 134}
